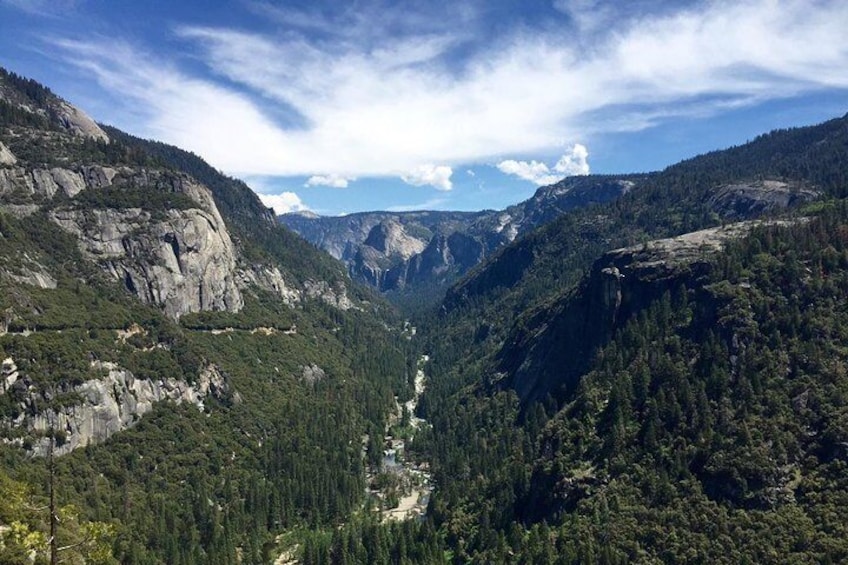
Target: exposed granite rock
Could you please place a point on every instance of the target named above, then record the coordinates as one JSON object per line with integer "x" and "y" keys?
{"x": 742, "y": 200}
{"x": 8, "y": 374}
{"x": 548, "y": 351}
{"x": 403, "y": 250}
{"x": 40, "y": 278}
{"x": 667, "y": 254}
{"x": 391, "y": 240}
{"x": 60, "y": 112}
{"x": 109, "y": 404}
{"x": 78, "y": 122}
{"x": 6, "y": 157}
{"x": 321, "y": 290}
{"x": 312, "y": 374}
{"x": 46, "y": 183}
{"x": 182, "y": 262}
{"x": 270, "y": 279}
{"x": 29, "y": 271}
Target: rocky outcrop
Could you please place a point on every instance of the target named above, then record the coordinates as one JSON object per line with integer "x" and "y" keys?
{"x": 311, "y": 374}
{"x": 78, "y": 122}
{"x": 8, "y": 374}
{"x": 39, "y": 278}
{"x": 182, "y": 261}
{"x": 550, "y": 202}
{"x": 46, "y": 183}
{"x": 27, "y": 270}
{"x": 106, "y": 405}
{"x": 6, "y": 156}
{"x": 406, "y": 250}
{"x": 334, "y": 296}
{"x": 743, "y": 200}
{"x": 550, "y": 348}
{"x": 36, "y": 99}
{"x": 270, "y": 279}
{"x": 391, "y": 240}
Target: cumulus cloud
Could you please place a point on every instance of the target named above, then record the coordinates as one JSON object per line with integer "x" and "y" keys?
{"x": 437, "y": 176}
{"x": 318, "y": 105}
{"x": 573, "y": 162}
{"x": 334, "y": 181}
{"x": 533, "y": 171}
{"x": 283, "y": 203}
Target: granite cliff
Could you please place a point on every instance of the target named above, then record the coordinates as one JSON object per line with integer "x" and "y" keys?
{"x": 408, "y": 251}
{"x": 106, "y": 405}
{"x": 101, "y": 220}
{"x": 551, "y": 347}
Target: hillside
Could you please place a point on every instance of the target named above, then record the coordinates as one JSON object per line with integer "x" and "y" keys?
{"x": 646, "y": 369}
{"x": 654, "y": 403}
{"x": 203, "y": 376}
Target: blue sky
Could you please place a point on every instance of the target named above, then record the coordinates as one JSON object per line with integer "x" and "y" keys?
{"x": 349, "y": 106}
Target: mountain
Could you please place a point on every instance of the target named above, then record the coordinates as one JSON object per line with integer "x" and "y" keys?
{"x": 657, "y": 379}
{"x": 200, "y": 377}
{"x": 658, "y": 376}
{"x": 413, "y": 252}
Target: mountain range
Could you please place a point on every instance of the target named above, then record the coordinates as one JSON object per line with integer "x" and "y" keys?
{"x": 422, "y": 253}
{"x": 639, "y": 368}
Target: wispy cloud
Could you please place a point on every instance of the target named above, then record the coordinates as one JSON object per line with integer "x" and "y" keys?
{"x": 364, "y": 104}
{"x": 44, "y": 8}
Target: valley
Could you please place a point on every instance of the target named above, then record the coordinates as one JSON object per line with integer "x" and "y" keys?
{"x": 409, "y": 480}
{"x": 646, "y": 368}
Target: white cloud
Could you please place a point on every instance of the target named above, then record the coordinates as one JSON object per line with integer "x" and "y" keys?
{"x": 533, "y": 171}
{"x": 371, "y": 108}
{"x": 334, "y": 181}
{"x": 437, "y": 176}
{"x": 573, "y": 162}
{"x": 283, "y": 203}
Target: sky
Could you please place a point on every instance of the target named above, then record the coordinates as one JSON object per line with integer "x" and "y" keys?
{"x": 340, "y": 107}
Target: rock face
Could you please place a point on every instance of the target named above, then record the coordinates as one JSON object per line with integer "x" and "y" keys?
{"x": 750, "y": 199}
{"x": 334, "y": 296}
{"x": 391, "y": 240}
{"x": 45, "y": 184}
{"x": 181, "y": 259}
{"x": 543, "y": 355}
{"x": 269, "y": 279}
{"x": 107, "y": 405}
{"x": 184, "y": 262}
{"x": 409, "y": 250}
{"x": 78, "y": 122}
{"x": 6, "y": 157}
{"x": 312, "y": 374}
